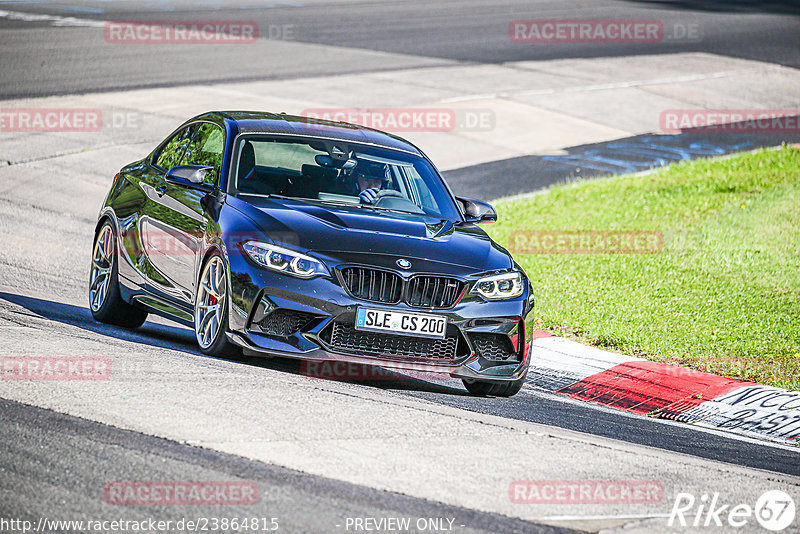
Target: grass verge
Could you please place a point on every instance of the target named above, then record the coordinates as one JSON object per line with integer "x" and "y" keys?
{"x": 721, "y": 296}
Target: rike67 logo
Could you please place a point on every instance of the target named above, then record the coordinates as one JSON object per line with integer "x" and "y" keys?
{"x": 774, "y": 510}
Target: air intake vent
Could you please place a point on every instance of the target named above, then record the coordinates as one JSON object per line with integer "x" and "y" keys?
{"x": 494, "y": 347}
{"x": 284, "y": 323}
{"x": 347, "y": 339}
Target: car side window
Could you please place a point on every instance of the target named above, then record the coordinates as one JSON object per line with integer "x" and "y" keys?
{"x": 171, "y": 153}
{"x": 205, "y": 149}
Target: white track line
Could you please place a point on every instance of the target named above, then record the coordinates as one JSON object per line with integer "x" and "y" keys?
{"x": 54, "y": 20}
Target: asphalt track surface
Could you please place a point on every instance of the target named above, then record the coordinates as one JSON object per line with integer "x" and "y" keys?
{"x": 55, "y": 464}
{"x": 64, "y": 444}
{"x": 41, "y": 58}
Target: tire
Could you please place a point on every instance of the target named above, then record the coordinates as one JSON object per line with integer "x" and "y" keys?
{"x": 105, "y": 300}
{"x": 481, "y": 388}
{"x": 211, "y": 310}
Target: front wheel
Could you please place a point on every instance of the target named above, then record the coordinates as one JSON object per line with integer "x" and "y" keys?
{"x": 211, "y": 310}
{"x": 105, "y": 300}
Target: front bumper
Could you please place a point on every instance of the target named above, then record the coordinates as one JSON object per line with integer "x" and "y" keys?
{"x": 279, "y": 315}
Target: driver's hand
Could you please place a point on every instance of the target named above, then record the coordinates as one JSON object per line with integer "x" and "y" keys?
{"x": 368, "y": 196}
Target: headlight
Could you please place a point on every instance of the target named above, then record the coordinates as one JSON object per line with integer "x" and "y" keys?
{"x": 283, "y": 260}
{"x": 499, "y": 286}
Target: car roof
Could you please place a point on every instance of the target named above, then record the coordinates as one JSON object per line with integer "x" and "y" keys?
{"x": 254, "y": 122}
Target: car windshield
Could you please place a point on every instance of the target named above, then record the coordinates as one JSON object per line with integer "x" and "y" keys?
{"x": 334, "y": 172}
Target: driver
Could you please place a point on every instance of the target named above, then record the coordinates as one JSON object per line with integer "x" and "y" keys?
{"x": 372, "y": 177}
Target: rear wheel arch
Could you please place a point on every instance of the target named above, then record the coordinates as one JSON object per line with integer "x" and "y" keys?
{"x": 110, "y": 307}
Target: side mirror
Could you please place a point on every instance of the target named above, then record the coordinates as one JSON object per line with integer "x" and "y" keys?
{"x": 191, "y": 176}
{"x": 477, "y": 211}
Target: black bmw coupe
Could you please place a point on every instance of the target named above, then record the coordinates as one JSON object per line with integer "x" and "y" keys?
{"x": 294, "y": 237}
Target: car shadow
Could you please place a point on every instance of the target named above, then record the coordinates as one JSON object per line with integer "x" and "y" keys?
{"x": 182, "y": 339}
{"x": 153, "y": 334}
{"x": 365, "y": 375}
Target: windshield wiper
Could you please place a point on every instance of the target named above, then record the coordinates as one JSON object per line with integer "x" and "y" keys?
{"x": 377, "y": 208}
{"x": 284, "y": 197}
{"x": 321, "y": 201}
{"x": 340, "y": 203}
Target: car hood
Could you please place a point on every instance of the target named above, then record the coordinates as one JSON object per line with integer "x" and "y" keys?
{"x": 364, "y": 236}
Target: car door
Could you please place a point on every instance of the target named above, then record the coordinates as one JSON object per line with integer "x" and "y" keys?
{"x": 162, "y": 248}
{"x": 178, "y": 223}
{"x": 138, "y": 184}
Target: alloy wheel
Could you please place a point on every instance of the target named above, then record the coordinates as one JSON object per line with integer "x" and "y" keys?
{"x": 102, "y": 262}
{"x": 210, "y": 302}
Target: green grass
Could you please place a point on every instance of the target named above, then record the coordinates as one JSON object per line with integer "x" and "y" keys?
{"x": 723, "y": 296}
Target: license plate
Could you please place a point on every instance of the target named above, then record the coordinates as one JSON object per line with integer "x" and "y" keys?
{"x": 405, "y": 323}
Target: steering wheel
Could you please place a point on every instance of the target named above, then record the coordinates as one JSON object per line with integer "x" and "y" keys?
{"x": 387, "y": 193}
{"x": 389, "y": 198}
